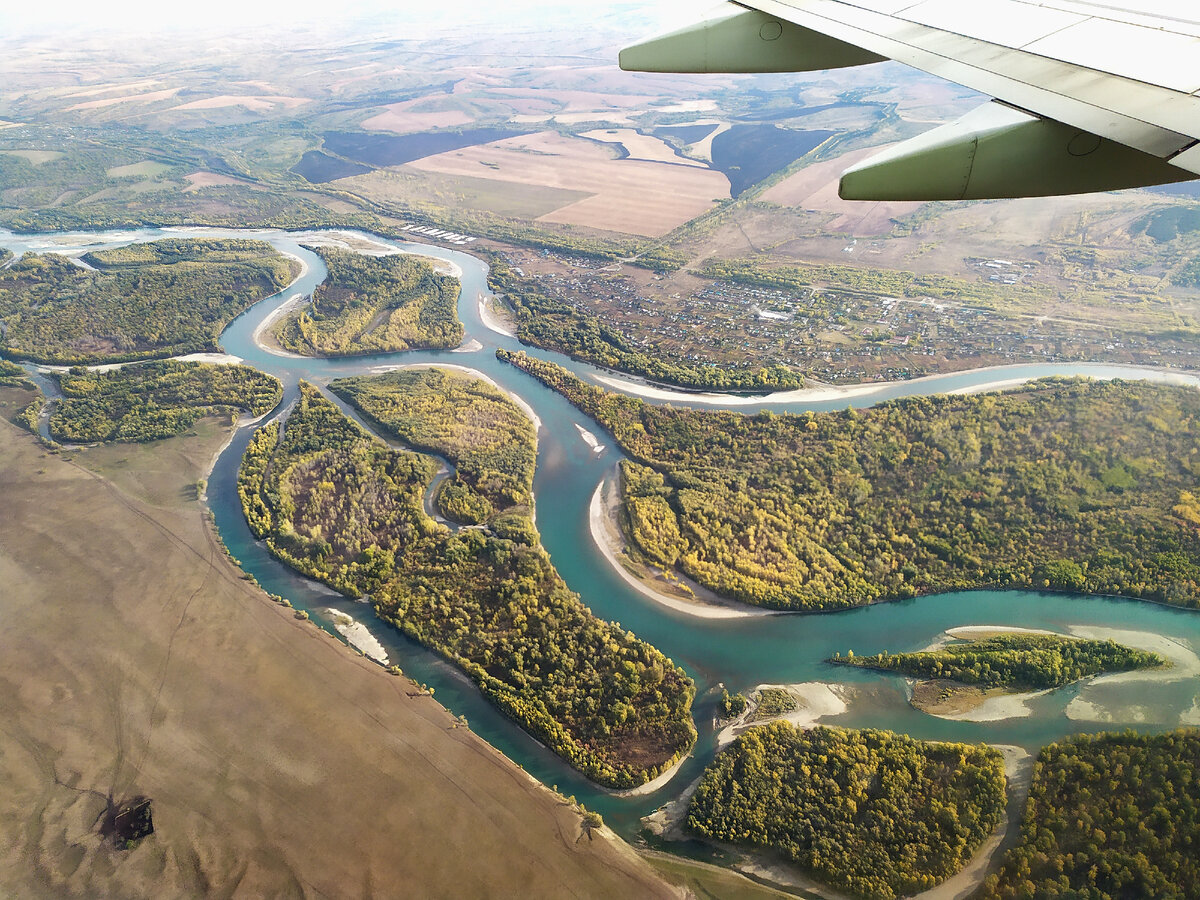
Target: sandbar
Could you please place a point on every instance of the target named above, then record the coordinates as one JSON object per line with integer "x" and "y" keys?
{"x": 492, "y": 320}
{"x": 358, "y": 635}
{"x": 607, "y": 537}
{"x": 825, "y": 392}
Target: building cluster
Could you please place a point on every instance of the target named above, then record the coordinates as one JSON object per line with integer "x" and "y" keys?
{"x": 835, "y": 335}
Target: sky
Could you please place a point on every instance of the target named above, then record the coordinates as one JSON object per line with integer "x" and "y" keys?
{"x": 141, "y": 15}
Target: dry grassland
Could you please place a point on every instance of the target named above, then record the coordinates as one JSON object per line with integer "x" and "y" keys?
{"x": 36, "y": 157}
{"x": 208, "y": 179}
{"x": 135, "y": 661}
{"x": 144, "y": 169}
{"x": 414, "y": 115}
{"x": 112, "y": 86}
{"x": 630, "y": 196}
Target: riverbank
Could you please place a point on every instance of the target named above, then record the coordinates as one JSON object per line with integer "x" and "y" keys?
{"x": 606, "y": 534}
{"x": 492, "y": 320}
{"x": 264, "y": 333}
{"x": 825, "y": 393}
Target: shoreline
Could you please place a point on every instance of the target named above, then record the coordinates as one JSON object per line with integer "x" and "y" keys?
{"x": 491, "y": 320}
{"x": 825, "y": 393}
{"x": 600, "y": 515}
{"x": 815, "y": 700}
{"x": 651, "y": 786}
{"x": 260, "y": 334}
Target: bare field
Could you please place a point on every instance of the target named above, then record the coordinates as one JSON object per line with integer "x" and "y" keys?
{"x": 147, "y": 97}
{"x": 402, "y": 119}
{"x": 640, "y": 146}
{"x": 135, "y": 661}
{"x": 815, "y": 188}
{"x": 630, "y": 196}
{"x": 252, "y": 103}
{"x": 36, "y": 157}
{"x": 144, "y": 169}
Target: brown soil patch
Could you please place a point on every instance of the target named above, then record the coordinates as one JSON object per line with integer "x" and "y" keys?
{"x": 940, "y": 697}
{"x": 135, "y": 662}
{"x": 630, "y": 196}
{"x": 404, "y": 121}
{"x": 640, "y": 146}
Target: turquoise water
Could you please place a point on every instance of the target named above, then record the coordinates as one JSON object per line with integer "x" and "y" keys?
{"x": 739, "y": 653}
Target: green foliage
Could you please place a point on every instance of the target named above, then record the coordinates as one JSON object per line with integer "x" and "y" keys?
{"x": 732, "y": 706}
{"x": 141, "y": 302}
{"x": 11, "y": 374}
{"x": 373, "y": 304}
{"x": 914, "y": 496}
{"x": 28, "y": 416}
{"x": 553, "y": 325}
{"x": 341, "y": 507}
{"x": 876, "y": 813}
{"x": 1109, "y": 816}
{"x": 1167, "y": 224}
{"x": 771, "y": 703}
{"x": 1022, "y": 661}
{"x": 156, "y": 400}
{"x": 491, "y": 443}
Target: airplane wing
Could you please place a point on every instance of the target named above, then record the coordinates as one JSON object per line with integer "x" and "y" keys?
{"x": 1088, "y": 95}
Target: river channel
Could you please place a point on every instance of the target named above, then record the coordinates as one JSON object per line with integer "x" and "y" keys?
{"x": 740, "y": 652}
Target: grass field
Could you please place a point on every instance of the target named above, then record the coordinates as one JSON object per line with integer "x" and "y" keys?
{"x": 278, "y": 761}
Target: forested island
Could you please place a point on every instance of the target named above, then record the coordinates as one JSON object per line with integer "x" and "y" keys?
{"x": 11, "y": 374}
{"x": 553, "y": 325}
{"x": 1109, "y": 816}
{"x": 875, "y": 813}
{"x": 1065, "y": 484}
{"x": 489, "y": 441}
{"x": 156, "y": 400}
{"x": 341, "y": 507}
{"x": 371, "y": 304}
{"x": 1023, "y": 662}
{"x": 143, "y": 301}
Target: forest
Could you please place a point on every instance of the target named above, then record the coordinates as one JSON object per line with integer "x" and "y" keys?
{"x": 1017, "y": 661}
{"x": 143, "y": 301}
{"x": 1110, "y": 816}
{"x": 490, "y": 442}
{"x": 155, "y": 400}
{"x": 554, "y": 325}
{"x": 872, "y": 812}
{"x": 1065, "y": 484}
{"x": 370, "y": 304}
{"x": 341, "y": 507}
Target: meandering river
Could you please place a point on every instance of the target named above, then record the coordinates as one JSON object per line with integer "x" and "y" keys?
{"x": 740, "y": 653}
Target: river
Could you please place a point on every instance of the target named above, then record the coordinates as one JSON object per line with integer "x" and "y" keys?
{"x": 740, "y": 653}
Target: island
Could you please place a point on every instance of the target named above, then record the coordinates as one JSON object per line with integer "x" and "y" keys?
{"x": 1065, "y": 484}
{"x": 871, "y": 812}
{"x": 374, "y": 304}
{"x": 1109, "y": 816}
{"x": 155, "y": 400}
{"x": 960, "y": 674}
{"x": 490, "y": 442}
{"x": 340, "y": 506}
{"x": 142, "y": 301}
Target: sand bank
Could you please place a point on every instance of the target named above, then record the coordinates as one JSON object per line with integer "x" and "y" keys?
{"x": 262, "y": 337}
{"x": 590, "y": 439}
{"x": 651, "y": 786}
{"x": 608, "y": 540}
{"x": 824, "y": 393}
{"x": 358, "y": 636}
{"x": 815, "y": 700}
{"x": 492, "y": 320}
{"x": 469, "y": 347}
